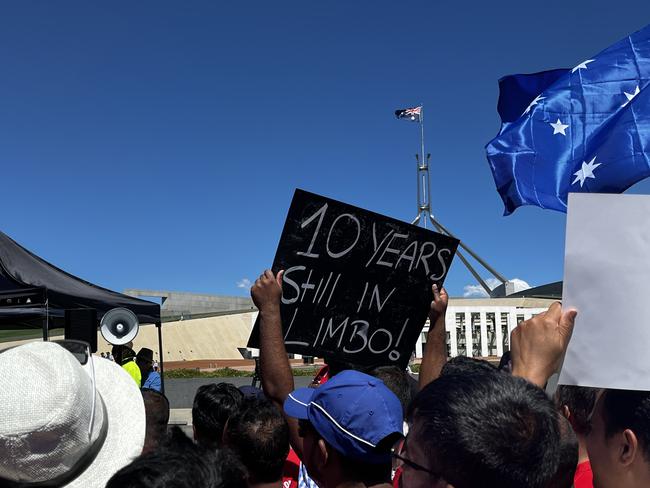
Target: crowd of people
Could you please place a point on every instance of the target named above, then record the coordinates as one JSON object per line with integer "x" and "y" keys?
{"x": 69, "y": 420}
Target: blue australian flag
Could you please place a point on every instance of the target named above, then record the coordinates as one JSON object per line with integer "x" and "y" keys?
{"x": 585, "y": 129}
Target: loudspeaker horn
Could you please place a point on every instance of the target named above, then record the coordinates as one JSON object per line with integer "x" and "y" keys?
{"x": 119, "y": 326}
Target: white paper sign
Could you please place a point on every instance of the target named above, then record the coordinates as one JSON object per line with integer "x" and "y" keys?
{"x": 607, "y": 279}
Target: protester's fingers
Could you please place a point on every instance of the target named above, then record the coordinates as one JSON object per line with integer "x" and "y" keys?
{"x": 278, "y": 277}
{"x": 554, "y": 312}
{"x": 268, "y": 274}
{"x": 436, "y": 292}
{"x": 567, "y": 321}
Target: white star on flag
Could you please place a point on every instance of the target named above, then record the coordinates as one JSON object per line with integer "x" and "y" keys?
{"x": 587, "y": 171}
{"x": 559, "y": 127}
{"x": 538, "y": 98}
{"x": 630, "y": 96}
{"x": 582, "y": 65}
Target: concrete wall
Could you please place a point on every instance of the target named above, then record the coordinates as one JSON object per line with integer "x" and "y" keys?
{"x": 206, "y": 338}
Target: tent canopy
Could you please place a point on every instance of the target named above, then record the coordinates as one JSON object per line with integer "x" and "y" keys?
{"x": 28, "y": 283}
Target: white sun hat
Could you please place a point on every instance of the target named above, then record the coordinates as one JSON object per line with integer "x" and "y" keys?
{"x": 49, "y": 435}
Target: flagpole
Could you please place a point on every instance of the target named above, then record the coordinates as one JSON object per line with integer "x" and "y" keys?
{"x": 424, "y": 210}
{"x": 424, "y": 162}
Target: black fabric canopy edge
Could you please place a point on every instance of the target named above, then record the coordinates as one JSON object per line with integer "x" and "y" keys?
{"x": 22, "y": 271}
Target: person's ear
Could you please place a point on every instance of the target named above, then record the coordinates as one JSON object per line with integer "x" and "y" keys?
{"x": 629, "y": 447}
{"x": 566, "y": 412}
{"x": 323, "y": 454}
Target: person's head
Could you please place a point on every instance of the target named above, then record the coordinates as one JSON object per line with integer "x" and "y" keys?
{"x": 122, "y": 353}
{"x": 144, "y": 360}
{"x": 482, "y": 429}
{"x": 181, "y": 464}
{"x": 213, "y": 405}
{"x": 336, "y": 365}
{"x": 348, "y": 426}
{"x": 396, "y": 380}
{"x": 259, "y": 435}
{"x": 566, "y": 470}
{"x": 576, "y": 403}
{"x": 467, "y": 365}
{"x": 67, "y": 418}
{"x": 156, "y": 407}
{"x": 619, "y": 440}
{"x": 505, "y": 363}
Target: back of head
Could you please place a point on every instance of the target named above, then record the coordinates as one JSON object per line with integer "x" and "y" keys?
{"x": 156, "y": 407}
{"x": 259, "y": 435}
{"x": 213, "y": 405}
{"x": 467, "y": 365}
{"x": 181, "y": 464}
{"x": 488, "y": 430}
{"x": 398, "y": 381}
{"x": 628, "y": 409}
{"x": 580, "y": 402}
{"x": 566, "y": 470}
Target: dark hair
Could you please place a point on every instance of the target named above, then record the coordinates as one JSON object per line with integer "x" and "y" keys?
{"x": 566, "y": 470}
{"x": 156, "y": 409}
{"x": 181, "y": 464}
{"x": 488, "y": 430}
{"x": 259, "y": 435}
{"x": 397, "y": 381}
{"x": 580, "y": 400}
{"x": 122, "y": 353}
{"x": 336, "y": 365}
{"x": 628, "y": 409}
{"x": 467, "y": 365}
{"x": 213, "y": 405}
{"x": 504, "y": 361}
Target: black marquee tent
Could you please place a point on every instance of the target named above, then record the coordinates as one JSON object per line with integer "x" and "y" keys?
{"x": 35, "y": 294}
{"x": 30, "y": 287}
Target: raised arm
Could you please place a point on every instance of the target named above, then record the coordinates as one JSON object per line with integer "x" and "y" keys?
{"x": 435, "y": 351}
{"x": 539, "y": 343}
{"x": 277, "y": 378}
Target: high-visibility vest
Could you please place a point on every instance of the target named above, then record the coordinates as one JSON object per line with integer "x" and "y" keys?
{"x": 134, "y": 370}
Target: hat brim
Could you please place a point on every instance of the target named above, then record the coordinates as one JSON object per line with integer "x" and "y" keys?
{"x": 126, "y": 425}
{"x": 297, "y": 403}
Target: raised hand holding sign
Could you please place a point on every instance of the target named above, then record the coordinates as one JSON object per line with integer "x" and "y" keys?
{"x": 356, "y": 284}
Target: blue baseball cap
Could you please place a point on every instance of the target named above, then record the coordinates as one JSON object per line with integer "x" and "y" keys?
{"x": 352, "y": 411}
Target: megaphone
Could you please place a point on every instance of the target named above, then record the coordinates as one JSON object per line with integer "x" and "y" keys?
{"x": 119, "y": 326}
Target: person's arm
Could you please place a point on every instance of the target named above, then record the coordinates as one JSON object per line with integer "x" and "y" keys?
{"x": 275, "y": 370}
{"x": 539, "y": 343}
{"x": 435, "y": 350}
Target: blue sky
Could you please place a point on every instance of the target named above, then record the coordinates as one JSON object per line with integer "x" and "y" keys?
{"x": 158, "y": 144}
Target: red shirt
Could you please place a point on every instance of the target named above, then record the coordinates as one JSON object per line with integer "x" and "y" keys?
{"x": 583, "y": 477}
{"x": 290, "y": 470}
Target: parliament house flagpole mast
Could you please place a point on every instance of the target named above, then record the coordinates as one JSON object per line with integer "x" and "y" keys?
{"x": 424, "y": 203}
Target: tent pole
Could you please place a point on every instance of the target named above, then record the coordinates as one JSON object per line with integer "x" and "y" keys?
{"x": 160, "y": 353}
{"x": 46, "y": 320}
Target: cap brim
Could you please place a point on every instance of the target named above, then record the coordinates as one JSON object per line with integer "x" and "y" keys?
{"x": 126, "y": 425}
{"x": 297, "y": 403}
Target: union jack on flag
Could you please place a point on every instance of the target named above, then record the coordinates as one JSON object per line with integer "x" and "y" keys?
{"x": 412, "y": 114}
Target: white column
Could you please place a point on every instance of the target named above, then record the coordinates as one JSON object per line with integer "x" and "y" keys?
{"x": 419, "y": 348}
{"x": 469, "y": 343}
{"x": 498, "y": 332}
{"x": 484, "y": 340}
{"x": 512, "y": 323}
{"x": 450, "y": 319}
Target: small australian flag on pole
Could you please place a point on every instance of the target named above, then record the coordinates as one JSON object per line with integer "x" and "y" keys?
{"x": 585, "y": 129}
{"x": 412, "y": 114}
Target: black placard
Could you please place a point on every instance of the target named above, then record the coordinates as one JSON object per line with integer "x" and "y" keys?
{"x": 357, "y": 284}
